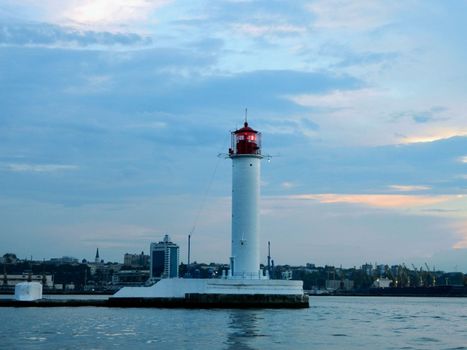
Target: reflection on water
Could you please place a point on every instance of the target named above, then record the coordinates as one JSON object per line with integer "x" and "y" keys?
{"x": 330, "y": 323}
{"x": 243, "y": 325}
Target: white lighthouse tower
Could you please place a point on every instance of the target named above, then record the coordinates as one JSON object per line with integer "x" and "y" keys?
{"x": 245, "y": 153}
{"x": 245, "y": 285}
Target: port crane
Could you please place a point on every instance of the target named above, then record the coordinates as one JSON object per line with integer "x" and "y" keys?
{"x": 405, "y": 272}
{"x": 431, "y": 275}
{"x": 418, "y": 275}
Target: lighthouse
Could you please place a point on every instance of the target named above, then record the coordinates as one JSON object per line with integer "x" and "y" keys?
{"x": 244, "y": 285}
{"x": 245, "y": 152}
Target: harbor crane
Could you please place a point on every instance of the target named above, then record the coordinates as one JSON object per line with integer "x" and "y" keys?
{"x": 431, "y": 275}
{"x": 418, "y": 275}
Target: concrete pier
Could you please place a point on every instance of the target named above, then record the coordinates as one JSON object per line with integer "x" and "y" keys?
{"x": 190, "y": 301}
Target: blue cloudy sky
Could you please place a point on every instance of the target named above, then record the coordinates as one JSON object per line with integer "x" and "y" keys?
{"x": 112, "y": 113}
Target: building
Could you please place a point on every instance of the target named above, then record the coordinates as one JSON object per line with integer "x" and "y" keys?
{"x": 136, "y": 260}
{"x": 451, "y": 279}
{"x": 64, "y": 260}
{"x": 368, "y": 269}
{"x": 382, "y": 282}
{"x": 344, "y": 284}
{"x": 97, "y": 259}
{"x": 164, "y": 259}
{"x": 11, "y": 280}
{"x": 286, "y": 275}
{"x": 130, "y": 277}
{"x": 67, "y": 286}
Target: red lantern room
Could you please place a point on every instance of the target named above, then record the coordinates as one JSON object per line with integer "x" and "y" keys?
{"x": 245, "y": 141}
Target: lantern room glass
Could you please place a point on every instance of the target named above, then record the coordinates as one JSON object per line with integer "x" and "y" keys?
{"x": 245, "y": 142}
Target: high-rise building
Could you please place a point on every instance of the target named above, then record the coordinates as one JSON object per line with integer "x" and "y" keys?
{"x": 164, "y": 259}
{"x": 136, "y": 260}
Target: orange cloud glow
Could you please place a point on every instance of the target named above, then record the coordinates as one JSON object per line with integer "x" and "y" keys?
{"x": 407, "y": 188}
{"x": 377, "y": 200}
{"x": 436, "y": 136}
{"x": 462, "y": 244}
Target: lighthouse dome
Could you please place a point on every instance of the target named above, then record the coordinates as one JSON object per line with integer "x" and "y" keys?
{"x": 245, "y": 128}
{"x": 245, "y": 141}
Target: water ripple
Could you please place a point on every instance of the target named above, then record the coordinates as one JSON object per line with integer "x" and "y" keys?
{"x": 332, "y": 323}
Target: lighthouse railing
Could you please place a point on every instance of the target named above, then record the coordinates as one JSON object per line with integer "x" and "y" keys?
{"x": 247, "y": 276}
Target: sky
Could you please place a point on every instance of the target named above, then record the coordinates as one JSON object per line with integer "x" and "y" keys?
{"x": 113, "y": 114}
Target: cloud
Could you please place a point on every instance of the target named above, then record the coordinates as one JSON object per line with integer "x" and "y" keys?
{"x": 364, "y": 59}
{"x": 91, "y": 84}
{"x": 385, "y": 115}
{"x": 262, "y": 30}
{"x": 109, "y": 12}
{"x": 423, "y": 118}
{"x": 318, "y": 231}
{"x": 461, "y": 229}
{"x": 409, "y": 188}
{"x": 288, "y": 185}
{"x": 107, "y": 15}
{"x": 351, "y": 15}
{"x": 291, "y": 125}
{"x": 147, "y": 125}
{"x": 434, "y": 135}
{"x": 53, "y": 36}
{"x": 263, "y": 95}
{"x": 337, "y": 99}
{"x": 38, "y": 168}
{"x": 463, "y": 159}
{"x": 377, "y": 200}
{"x": 136, "y": 93}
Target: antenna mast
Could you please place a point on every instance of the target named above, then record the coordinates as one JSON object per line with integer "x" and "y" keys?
{"x": 269, "y": 258}
{"x": 189, "y": 252}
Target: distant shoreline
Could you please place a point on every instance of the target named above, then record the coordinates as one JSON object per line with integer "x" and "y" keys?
{"x": 437, "y": 291}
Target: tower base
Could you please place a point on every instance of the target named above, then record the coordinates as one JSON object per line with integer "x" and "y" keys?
{"x": 217, "y": 301}
{"x": 214, "y": 293}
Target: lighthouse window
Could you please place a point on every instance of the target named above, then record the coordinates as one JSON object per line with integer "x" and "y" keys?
{"x": 251, "y": 164}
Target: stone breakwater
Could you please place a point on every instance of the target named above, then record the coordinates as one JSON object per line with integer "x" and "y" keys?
{"x": 190, "y": 301}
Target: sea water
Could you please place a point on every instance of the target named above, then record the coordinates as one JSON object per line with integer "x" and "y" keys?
{"x": 329, "y": 323}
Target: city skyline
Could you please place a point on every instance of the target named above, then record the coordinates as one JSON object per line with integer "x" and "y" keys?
{"x": 113, "y": 116}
